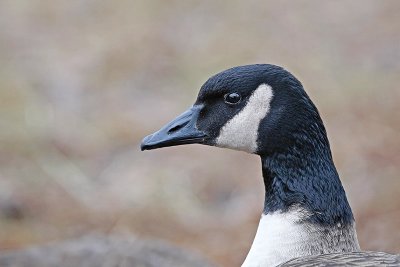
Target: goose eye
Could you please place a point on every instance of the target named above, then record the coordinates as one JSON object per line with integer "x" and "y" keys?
{"x": 232, "y": 98}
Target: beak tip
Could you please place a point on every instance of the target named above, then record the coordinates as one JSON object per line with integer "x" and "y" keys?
{"x": 142, "y": 147}
{"x": 145, "y": 143}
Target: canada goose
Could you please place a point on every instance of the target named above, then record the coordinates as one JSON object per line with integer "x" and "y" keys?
{"x": 103, "y": 251}
{"x": 263, "y": 109}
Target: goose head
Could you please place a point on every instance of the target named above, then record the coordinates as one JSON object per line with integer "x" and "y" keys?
{"x": 263, "y": 109}
{"x": 255, "y": 108}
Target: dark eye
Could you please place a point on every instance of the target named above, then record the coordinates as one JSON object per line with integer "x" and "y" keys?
{"x": 232, "y": 98}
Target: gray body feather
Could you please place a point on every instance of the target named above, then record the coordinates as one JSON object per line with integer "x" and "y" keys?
{"x": 360, "y": 259}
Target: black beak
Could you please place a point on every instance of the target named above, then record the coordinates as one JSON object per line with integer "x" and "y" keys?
{"x": 180, "y": 131}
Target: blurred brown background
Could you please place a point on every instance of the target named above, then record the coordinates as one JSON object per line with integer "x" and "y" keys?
{"x": 81, "y": 82}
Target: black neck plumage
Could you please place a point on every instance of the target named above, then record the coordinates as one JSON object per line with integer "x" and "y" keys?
{"x": 304, "y": 176}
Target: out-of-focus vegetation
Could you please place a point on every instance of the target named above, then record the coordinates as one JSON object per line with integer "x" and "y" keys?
{"x": 81, "y": 82}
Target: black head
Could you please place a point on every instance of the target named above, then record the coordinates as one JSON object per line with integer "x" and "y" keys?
{"x": 253, "y": 108}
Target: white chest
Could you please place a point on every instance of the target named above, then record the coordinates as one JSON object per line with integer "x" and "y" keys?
{"x": 279, "y": 238}
{"x": 284, "y": 236}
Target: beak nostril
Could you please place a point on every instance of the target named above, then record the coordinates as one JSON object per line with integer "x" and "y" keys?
{"x": 177, "y": 127}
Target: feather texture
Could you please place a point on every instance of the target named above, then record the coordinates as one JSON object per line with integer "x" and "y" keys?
{"x": 359, "y": 259}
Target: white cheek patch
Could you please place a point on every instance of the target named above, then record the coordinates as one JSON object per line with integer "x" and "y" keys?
{"x": 241, "y": 132}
